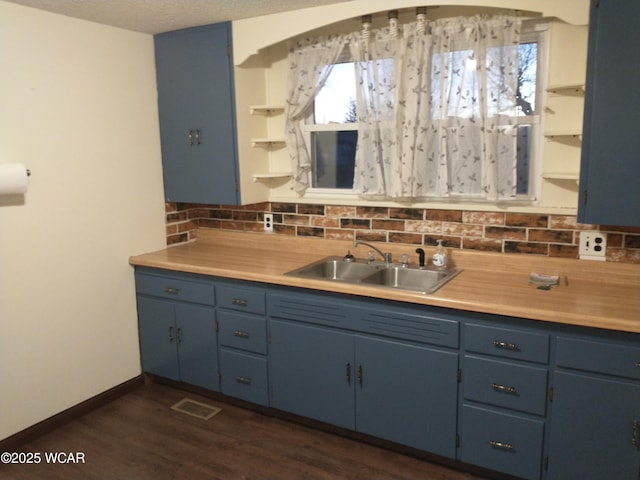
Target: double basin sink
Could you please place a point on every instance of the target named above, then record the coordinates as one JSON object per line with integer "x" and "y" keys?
{"x": 416, "y": 279}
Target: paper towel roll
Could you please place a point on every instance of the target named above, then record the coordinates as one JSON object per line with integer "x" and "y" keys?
{"x": 14, "y": 178}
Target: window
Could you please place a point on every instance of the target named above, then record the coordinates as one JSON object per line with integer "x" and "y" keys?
{"x": 333, "y": 133}
{"x": 332, "y": 130}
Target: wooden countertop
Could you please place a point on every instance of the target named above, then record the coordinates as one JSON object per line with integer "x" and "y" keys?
{"x": 591, "y": 294}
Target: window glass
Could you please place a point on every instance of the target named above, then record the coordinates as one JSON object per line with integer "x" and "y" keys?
{"x": 336, "y": 102}
{"x": 334, "y": 156}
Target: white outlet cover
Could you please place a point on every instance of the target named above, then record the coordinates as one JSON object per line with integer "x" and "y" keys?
{"x": 593, "y": 245}
{"x": 268, "y": 222}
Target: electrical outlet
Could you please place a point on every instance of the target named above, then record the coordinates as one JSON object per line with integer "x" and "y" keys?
{"x": 593, "y": 245}
{"x": 268, "y": 222}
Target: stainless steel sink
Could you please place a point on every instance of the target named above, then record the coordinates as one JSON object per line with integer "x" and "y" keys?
{"x": 336, "y": 268}
{"x": 423, "y": 280}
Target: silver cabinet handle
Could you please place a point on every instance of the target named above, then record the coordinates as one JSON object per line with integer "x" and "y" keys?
{"x": 172, "y": 290}
{"x": 239, "y": 302}
{"x": 359, "y": 375}
{"x": 501, "y": 445}
{"x": 243, "y": 380}
{"x": 241, "y": 334}
{"x": 506, "y": 345}
{"x": 170, "y": 334}
{"x": 198, "y": 136}
{"x": 179, "y": 335}
{"x": 190, "y": 137}
{"x": 503, "y": 388}
{"x": 635, "y": 427}
{"x": 347, "y": 369}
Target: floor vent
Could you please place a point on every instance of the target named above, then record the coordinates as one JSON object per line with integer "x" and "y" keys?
{"x": 196, "y": 409}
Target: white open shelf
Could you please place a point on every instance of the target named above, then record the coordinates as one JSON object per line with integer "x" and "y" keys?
{"x": 562, "y": 177}
{"x": 266, "y": 109}
{"x": 268, "y": 142}
{"x": 564, "y": 136}
{"x": 567, "y": 89}
{"x": 271, "y": 175}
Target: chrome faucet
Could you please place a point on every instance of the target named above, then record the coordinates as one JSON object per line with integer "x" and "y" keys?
{"x": 385, "y": 256}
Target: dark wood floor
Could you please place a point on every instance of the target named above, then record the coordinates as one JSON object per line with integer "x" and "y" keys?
{"x": 139, "y": 437}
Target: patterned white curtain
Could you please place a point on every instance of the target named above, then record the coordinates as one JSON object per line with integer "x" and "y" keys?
{"x": 437, "y": 120}
{"x": 472, "y": 136}
{"x": 310, "y": 63}
{"x": 435, "y": 107}
{"x": 376, "y": 81}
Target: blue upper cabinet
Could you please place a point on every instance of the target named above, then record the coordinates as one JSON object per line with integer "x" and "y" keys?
{"x": 610, "y": 168}
{"x": 197, "y": 115}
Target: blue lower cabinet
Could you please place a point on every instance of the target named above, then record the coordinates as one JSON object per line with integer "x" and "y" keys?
{"x": 504, "y": 405}
{"x": 392, "y": 390}
{"x": 312, "y": 372}
{"x": 407, "y": 394}
{"x": 504, "y": 442}
{"x": 197, "y": 346}
{"x": 595, "y": 428}
{"x": 242, "y": 337}
{"x": 533, "y": 401}
{"x": 178, "y": 341}
{"x": 157, "y": 330}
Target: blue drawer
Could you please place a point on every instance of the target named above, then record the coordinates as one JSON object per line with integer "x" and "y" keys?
{"x": 618, "y": 359}
{"x": 518, "y": 387}
{"x": 175, "y": 288}
{"x": 244, "y": 376}
{"x": 243, "y": 299}
{"x": 242, "y": 331}
{"x": 507, "y": 443}
{"x": 507, "y": 343}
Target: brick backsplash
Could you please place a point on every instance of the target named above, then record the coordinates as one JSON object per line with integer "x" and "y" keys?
{"x": 522, "y": 233}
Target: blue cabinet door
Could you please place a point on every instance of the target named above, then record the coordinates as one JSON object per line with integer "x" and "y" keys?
{"x": 158, "y": 343}
{"x": 196, "y": 106}
{"x": 593, "y": 434}
{"x": 178, "y": 341}
{"x": 311, "y": 372}
{"x": 407, "y": 394}
{"x": 610, "y": 168}
{"x": 197, "y": 345}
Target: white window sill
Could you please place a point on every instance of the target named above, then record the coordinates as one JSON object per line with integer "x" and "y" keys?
{"x": 354, "y": 200}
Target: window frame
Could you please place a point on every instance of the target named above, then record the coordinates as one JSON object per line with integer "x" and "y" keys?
{"x": 533, "y": 31}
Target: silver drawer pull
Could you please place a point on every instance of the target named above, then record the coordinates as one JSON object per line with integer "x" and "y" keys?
{"x": 241, "y": 334}
{"x": 239, "y": 302}
{"x": 506, "y": 345}
{"x": 634, "y": 433}
{"x": 505, "y": 389}
{"x": 243, "y": 380}
{"x": 638, "y": 364}
{"x": 500, "y": 445}
{"x": 172, "y": 290}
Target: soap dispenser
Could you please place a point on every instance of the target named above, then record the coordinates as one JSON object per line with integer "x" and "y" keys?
{"x": 439, "y": 258}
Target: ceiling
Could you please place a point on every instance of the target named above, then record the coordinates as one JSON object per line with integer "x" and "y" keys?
{"x": 155, "y": 16}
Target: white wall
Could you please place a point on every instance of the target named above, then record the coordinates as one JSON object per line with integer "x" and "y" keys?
{"x": 78, "y": 107}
